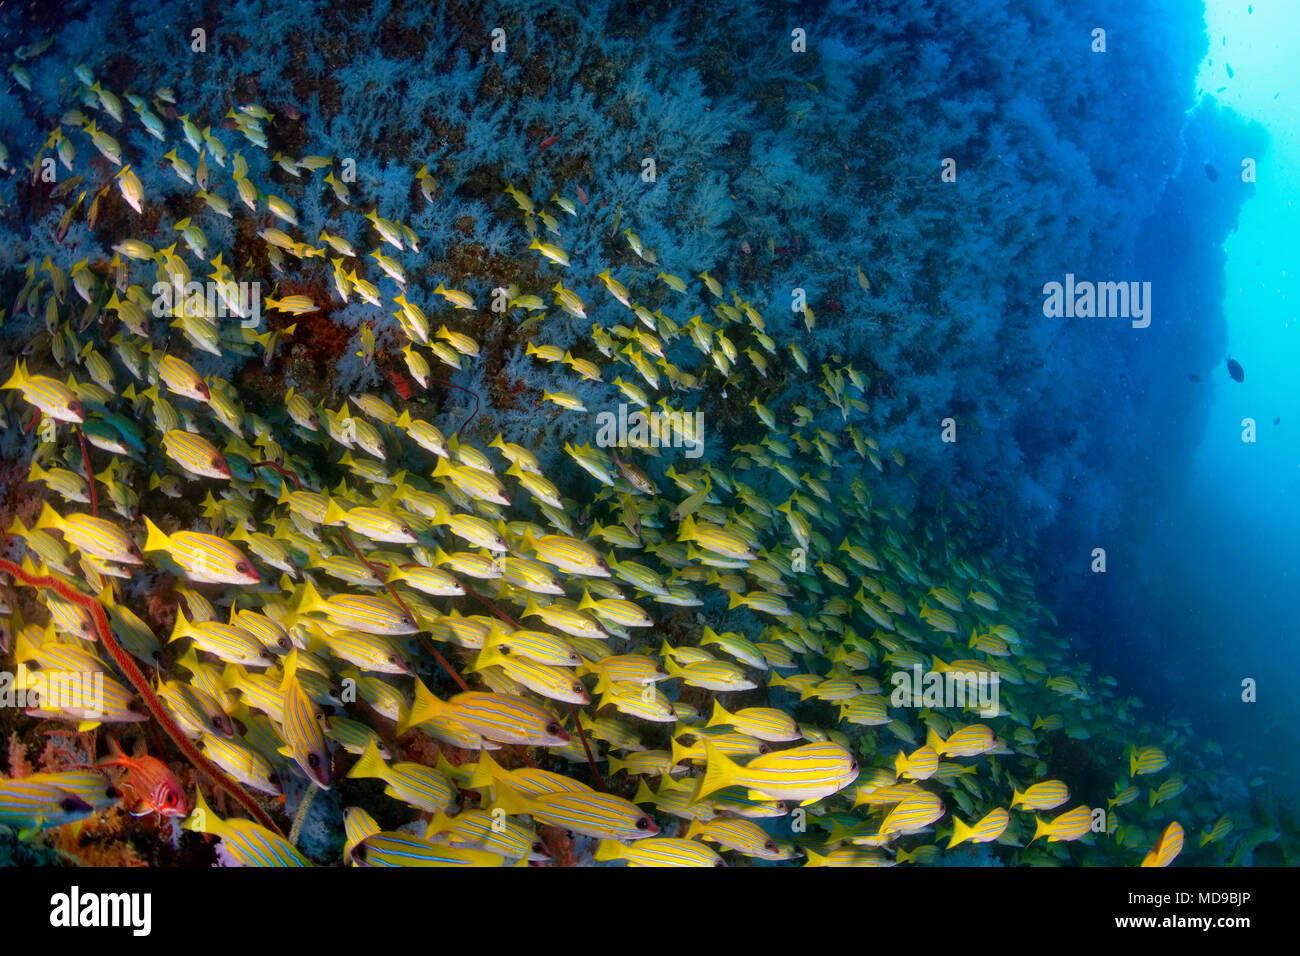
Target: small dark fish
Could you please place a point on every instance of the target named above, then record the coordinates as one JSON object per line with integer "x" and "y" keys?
{"x": 1192, "y": 376}
{"x": 1211, "y": 172}
{"x": 1229, "y": 66}
{"x": 1235, "y": 371}
{"x": 1276, "y": 420}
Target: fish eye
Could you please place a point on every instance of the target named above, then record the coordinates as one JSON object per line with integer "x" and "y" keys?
{"x": 284, "y": 643}
{"x": 243, "y": 567}
{"x": 313, "y": 761}
{"x": 217, "y": 462}
{"x": 112, "y": 793}
{"x": 769, "y": 846}
{"x": 552, "y": 728}
{"x": 643, "y": 823}
{"x": 539, "y": 847}
{"x": 578, "y": 688}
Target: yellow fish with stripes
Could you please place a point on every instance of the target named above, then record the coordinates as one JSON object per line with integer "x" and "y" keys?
{"x": 51, "y": 396}
{"x": 807, "y": 773}
{"x": 1070, "y": 825}
{"x": 1167, "y": 847}
{"x": 658, "y": 851}
{"x": 206, "y": 558}
{"x": 424, "y": 788}
{"x": 600, "y": 815}
{"x": 501, "y": 717}
{"x": 991, "y": 826}
{"x": 304, "y": 727}
{"x": 95, "y": 536}
{"x": 247, "y": 843}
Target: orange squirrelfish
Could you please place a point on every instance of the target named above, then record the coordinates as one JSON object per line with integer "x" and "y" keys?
{"x": 152, "y": 781}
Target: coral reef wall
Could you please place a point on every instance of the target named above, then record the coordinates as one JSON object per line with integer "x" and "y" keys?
{"x": 776, "y": 168}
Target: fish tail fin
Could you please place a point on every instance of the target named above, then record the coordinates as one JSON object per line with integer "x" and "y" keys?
{"x": 24, "y": 647}
{"x": 425, "y": 707}
{"x": 310, "y": 599}
{"x": 18, "y": 378}
{"x": 607, "y": 850}
{"x": 720, "y": 715}
{"x": 680, "y": 753}
{"x": 49, "y": 518}
{"x": 156, "y": 539}
{"x": 202, "y": 819}
{"x": 900, "y": 764}
{"x": 960, "y": 833}
{"x": 511, "y": 800}
{"x": 720, "y": 772}
{"x": 182, "y": 627}
{"x": 370, "y": 763}
{"x": 486, "y": 772}
{"x": 334, "y": 514}
{"x": 488, "y": 657}
{"x": 932, "y": 739}
{"x": 116, "y": 755}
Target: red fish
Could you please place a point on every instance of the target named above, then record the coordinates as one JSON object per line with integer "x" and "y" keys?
{"x": 582, "y": 195}
{"x": 402, "y": 386}
{"x": 549, "y": 141}
{"x": 152, "y": 781}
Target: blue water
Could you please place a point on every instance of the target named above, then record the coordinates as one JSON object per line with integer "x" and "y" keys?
{"x": 1200, "y": 592}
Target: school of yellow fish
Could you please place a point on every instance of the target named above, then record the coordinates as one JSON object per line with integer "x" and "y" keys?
{"x": 580, "y": 607}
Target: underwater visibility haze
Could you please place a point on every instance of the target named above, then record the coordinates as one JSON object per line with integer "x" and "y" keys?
{"x": 648, "y": 434}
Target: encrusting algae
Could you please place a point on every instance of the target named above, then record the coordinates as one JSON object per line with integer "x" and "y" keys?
{"x": 680, "y": 650}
